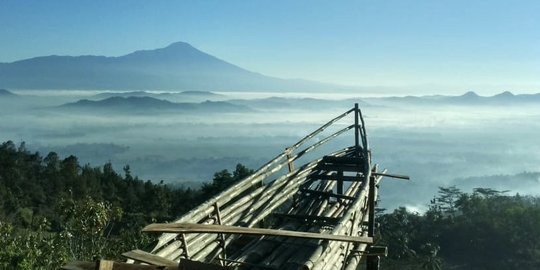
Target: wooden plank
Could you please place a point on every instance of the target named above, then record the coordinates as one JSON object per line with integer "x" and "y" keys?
{"x": 146, "y": 257}
{"x": 204, "y": 228}
{"x": 327, "y": 194}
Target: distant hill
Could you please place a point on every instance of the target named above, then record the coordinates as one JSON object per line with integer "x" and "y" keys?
{"x": 178, "y": 66}
{"x": 138, "y": 105}
{"x": 281, "y": 103}
{"x": 185, "y": 96}
{"x": 469, "y": 98}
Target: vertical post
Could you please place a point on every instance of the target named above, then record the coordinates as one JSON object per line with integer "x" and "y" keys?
{"x": 184, "y": 244}
{"x": 105, "y": 265}
{"x": 371, "y": 205}
{"x": 356, "y": 128}
{"x": 364, "y": 135}
{"x": 372, "y": 262}
{"x": 221, "y": 236}
{"x": 290, "y": 164}
{"x": 339, "y": 182}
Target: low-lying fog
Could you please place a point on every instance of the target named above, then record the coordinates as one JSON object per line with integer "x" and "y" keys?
{"x": 440, "y": 144}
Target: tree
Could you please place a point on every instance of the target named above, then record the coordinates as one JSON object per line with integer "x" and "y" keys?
{"x": 447, "y": 200}
{"x": 88, "y": 223}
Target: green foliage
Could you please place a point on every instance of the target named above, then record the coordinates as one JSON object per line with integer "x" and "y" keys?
{"x": 53, "y": 210}
{"x": 31, "y": 249}
{"x": 482, "y": 230}
{"x": 87, "y": 223}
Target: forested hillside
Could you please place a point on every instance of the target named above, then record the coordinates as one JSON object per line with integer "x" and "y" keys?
{"x": 53, "y": 209}
{"x": 485, "y": 229}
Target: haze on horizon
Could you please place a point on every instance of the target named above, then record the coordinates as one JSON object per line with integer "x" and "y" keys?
{"x": 425, "y": 47}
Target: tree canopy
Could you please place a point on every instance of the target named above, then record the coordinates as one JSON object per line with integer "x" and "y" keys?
{"x": 54, "y": 209}
{"x": 485, "y": 229}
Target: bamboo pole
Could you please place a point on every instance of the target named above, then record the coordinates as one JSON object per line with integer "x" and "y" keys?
{"x": 325, "y": 185}
{"x": 332, "y": 250}
{"x": 208, "y": 245}
{"x": 200, "y": 242}
{"x": 311, "y": 262}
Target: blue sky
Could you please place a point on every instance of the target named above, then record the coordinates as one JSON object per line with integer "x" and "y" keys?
{"x": 423, "y": 46}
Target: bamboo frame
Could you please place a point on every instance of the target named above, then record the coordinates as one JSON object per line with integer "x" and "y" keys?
{"x": 300, "y": 196}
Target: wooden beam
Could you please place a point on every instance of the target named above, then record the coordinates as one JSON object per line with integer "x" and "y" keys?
{"x": 345, "y": 178}
{"x": 196, "y": 265}
{"x": 339, "y": 188}
{"x": 343, "y": 160}
{"x": 203, "y": 228}
{"x": 404, "y": 177}
{"x": 103, "y": 264}
{"x": 377, "y": 251}
{"x": 146, "y": 257}
{"x": 307, "y": 217}
{"x": 327, "y": 194}
{"x": 342, "y": 167}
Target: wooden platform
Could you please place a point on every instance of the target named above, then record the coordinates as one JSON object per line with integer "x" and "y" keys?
{"x": 112, "y": 265}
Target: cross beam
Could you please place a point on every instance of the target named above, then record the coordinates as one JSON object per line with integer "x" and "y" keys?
{"x": 204, "y": 228}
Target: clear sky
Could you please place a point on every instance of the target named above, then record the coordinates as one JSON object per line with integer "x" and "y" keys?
{"x": 434, "y": 45}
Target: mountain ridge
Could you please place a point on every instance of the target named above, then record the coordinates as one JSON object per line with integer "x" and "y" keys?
{"x": 179, "y": 67}
{"x": 145, "y": 104}
{"x": 468, "y": 98}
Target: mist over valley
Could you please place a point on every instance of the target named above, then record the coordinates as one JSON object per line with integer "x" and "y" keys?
{"x": 184, "y": 137}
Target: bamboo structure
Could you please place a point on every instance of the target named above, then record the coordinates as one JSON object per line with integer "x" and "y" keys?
{"x": 284, "y": 216}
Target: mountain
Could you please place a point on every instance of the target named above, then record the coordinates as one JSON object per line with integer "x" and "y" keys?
{"x": 469, "y": 97}
{"x": 178, "y": 66}
{"x": 144, "y": 105}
